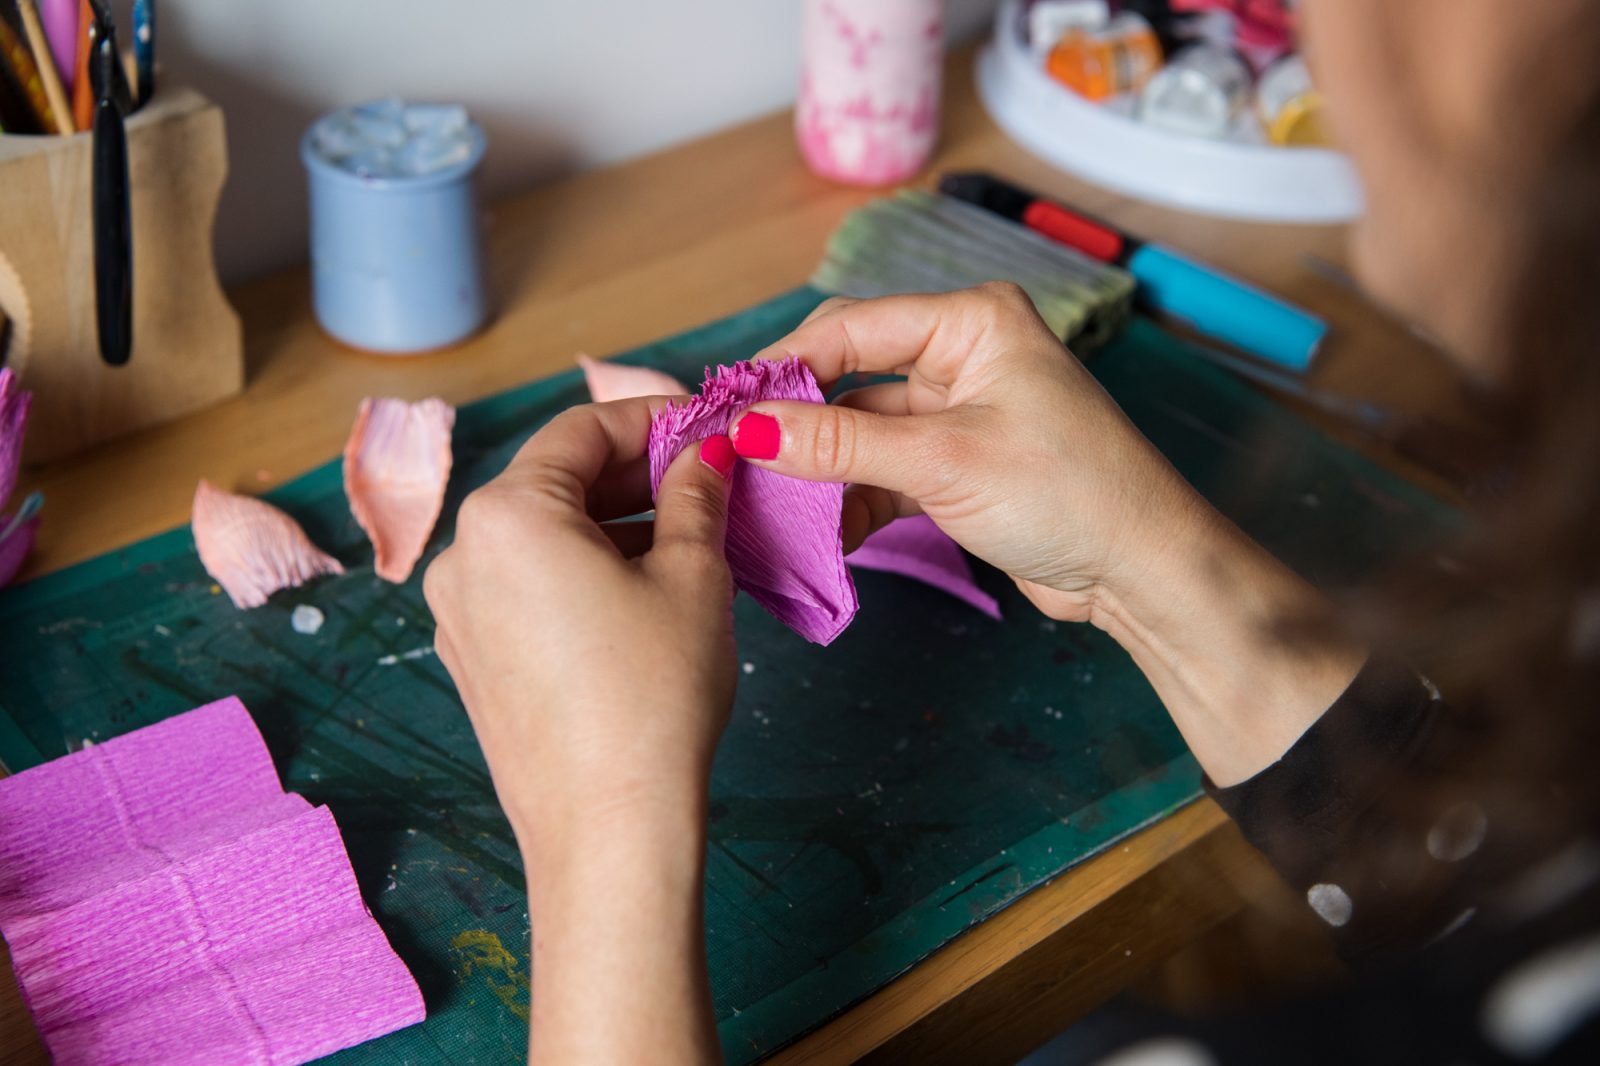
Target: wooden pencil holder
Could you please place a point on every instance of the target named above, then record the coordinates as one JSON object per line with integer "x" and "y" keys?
{"x": 187, "y": 346}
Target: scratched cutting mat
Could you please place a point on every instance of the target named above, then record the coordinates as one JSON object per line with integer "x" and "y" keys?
{"x": 870, "y": 801}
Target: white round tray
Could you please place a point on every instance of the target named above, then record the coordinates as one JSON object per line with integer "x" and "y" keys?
{"x": 1102, "y": 144}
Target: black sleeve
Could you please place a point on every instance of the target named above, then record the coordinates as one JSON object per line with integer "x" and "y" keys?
{"x": 1369, "y": 815}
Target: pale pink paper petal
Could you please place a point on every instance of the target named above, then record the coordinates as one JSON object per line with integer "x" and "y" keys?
{"x": 916, "y": 547}
{"x": 14, "y": 404}
{"x": 17, "y": 532}
{"x": 396, "y": 467}
{"x": 251, "y": 548}
{"x": 609, "y": 381}
{"x": 783, "y": 541}
{"x": 200, "y": 914}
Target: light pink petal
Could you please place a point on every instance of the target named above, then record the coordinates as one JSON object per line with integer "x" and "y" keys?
{"x": 396, "y": 466}
{"x": 17, "y": 532}
{"x": 14, "y": 404}
{"x": 251, "y": 548}
{"x": 783, "y": 541}
{"x": 609, "y": 381}
{"x": 916, "y": 547}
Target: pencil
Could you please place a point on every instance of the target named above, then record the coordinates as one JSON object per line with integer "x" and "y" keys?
{"x": 19, "y": 60}
{"x": 82, "y": 90}
{"x": 40, "y": 44}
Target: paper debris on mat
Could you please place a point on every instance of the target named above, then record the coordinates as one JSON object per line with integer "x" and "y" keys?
{"x": 396, "y": 467}
{"x": 783, "y": 542}
{"x": 916, "y": 547}
{"x": 200, "y": 915}
{"x": 609, "y": 381}
{"x": 251, "y": 548}
{"x": 18, "y": 528}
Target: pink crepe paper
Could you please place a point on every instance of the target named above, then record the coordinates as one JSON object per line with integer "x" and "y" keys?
{"x": 396, "y": 466}
{"x": 17, "y": 529}
{"x": 609, "y": 381}
{"x": 165, "y": 901}
{"x": 251, "y": 548}
{"x": 916, "y": 547}
{"x": 783, "y": 541}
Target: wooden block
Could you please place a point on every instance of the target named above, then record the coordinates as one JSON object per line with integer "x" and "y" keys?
{"x": 187, "y": 344}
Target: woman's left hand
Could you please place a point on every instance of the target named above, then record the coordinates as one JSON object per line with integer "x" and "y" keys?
{"x": 596, "y": 661}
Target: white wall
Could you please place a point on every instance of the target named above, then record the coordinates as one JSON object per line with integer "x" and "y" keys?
{"x": 559, "y": 87}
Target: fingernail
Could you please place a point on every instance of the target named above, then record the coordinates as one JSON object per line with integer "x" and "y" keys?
{"x": 756, "y": 436}
{"x": 717, "y": 453}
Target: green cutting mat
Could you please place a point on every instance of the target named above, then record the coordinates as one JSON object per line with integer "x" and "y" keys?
{"x": 871, "y": 800}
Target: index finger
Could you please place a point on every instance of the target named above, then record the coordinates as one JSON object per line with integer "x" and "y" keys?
{"x": 565, "y": 458}
{"x": 927, "y": 336}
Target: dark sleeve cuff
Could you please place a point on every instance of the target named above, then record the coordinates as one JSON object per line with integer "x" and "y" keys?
{"x": 1299, "y": 812}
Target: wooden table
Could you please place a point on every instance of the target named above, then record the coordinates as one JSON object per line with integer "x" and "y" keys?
{"x": 631, "y": 253}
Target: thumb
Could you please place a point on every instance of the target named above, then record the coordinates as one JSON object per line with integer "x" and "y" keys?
{"x": 692, "y": 501}
{"x": 827, "y": 442}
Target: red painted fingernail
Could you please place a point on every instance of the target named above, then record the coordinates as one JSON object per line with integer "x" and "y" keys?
{"x": 717, "y": 453}
{"x": 756, "y": 436}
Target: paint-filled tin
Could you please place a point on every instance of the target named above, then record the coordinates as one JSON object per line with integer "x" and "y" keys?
{"x": 396, "y": 254}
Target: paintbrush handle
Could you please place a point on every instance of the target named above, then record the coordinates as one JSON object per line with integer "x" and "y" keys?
{"x": 113, "y": 235}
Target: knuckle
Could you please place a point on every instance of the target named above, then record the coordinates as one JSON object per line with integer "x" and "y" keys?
{"x": 697, "y": 499}
{"x": 490, "y": 516}
{"x": 833, "y": 441}
{"x": 480, "y": 511}
{"x": 945, "y": 450}
{"x": 832, "y": 304}
{"x": 1006, "y": 295}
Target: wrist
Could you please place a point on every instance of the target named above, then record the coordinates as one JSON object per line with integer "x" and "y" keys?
{"x": 660, "y": 823}
{"x": 1244, "y": 654}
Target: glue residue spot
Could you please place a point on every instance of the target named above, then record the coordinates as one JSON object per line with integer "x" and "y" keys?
{"x": 306, "y": 619}
{"x": 749, "y": 668}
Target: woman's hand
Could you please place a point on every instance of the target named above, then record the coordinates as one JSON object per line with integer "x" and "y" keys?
{"x": 596, "y": 662}
{"x": 1016, "y": 451}
{"x": 1010, "y": 445}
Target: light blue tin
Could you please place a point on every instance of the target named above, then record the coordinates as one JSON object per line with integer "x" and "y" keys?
{"x": 396, "y": 262}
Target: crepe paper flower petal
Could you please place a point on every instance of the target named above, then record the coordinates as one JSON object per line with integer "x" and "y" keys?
{"x": 251, "y": 548}
{"x": 916, "y": 547}
{"x": 14, "y": 404}
{"x": 396, "y": 466}
{"x": 783, "y": 541}
{"x": 16, "y": 536}
{"x": 609, "y": 381}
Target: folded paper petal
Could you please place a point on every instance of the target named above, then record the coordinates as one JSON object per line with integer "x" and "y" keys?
{"x": 783, "y": 541}
{"x": 199, "y": 915}
{"x": 916, "y": 547}
{"x": 609, "y": 381}
{"x": 396, "y": 466}
{"x": 14, "y": 404}
{"x": 251, "y": 548}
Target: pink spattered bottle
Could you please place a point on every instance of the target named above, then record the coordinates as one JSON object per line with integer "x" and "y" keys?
{"x": 868, "y": 112}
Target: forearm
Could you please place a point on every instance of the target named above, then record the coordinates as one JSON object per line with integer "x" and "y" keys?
{"x": 618, "y": 947}
{"x": 1244, "y": 654}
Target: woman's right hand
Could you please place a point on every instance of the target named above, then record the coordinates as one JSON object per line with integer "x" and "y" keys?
{"x": 1003, "y": 438}
{"x": 1013, "y": 448}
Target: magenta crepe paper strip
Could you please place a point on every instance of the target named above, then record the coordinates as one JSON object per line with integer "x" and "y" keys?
{"x": 783, "y": 541}
{"x": 916, "y": 547}
{"x": 166, "y": 902}
{"x": 16, "y": 537}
